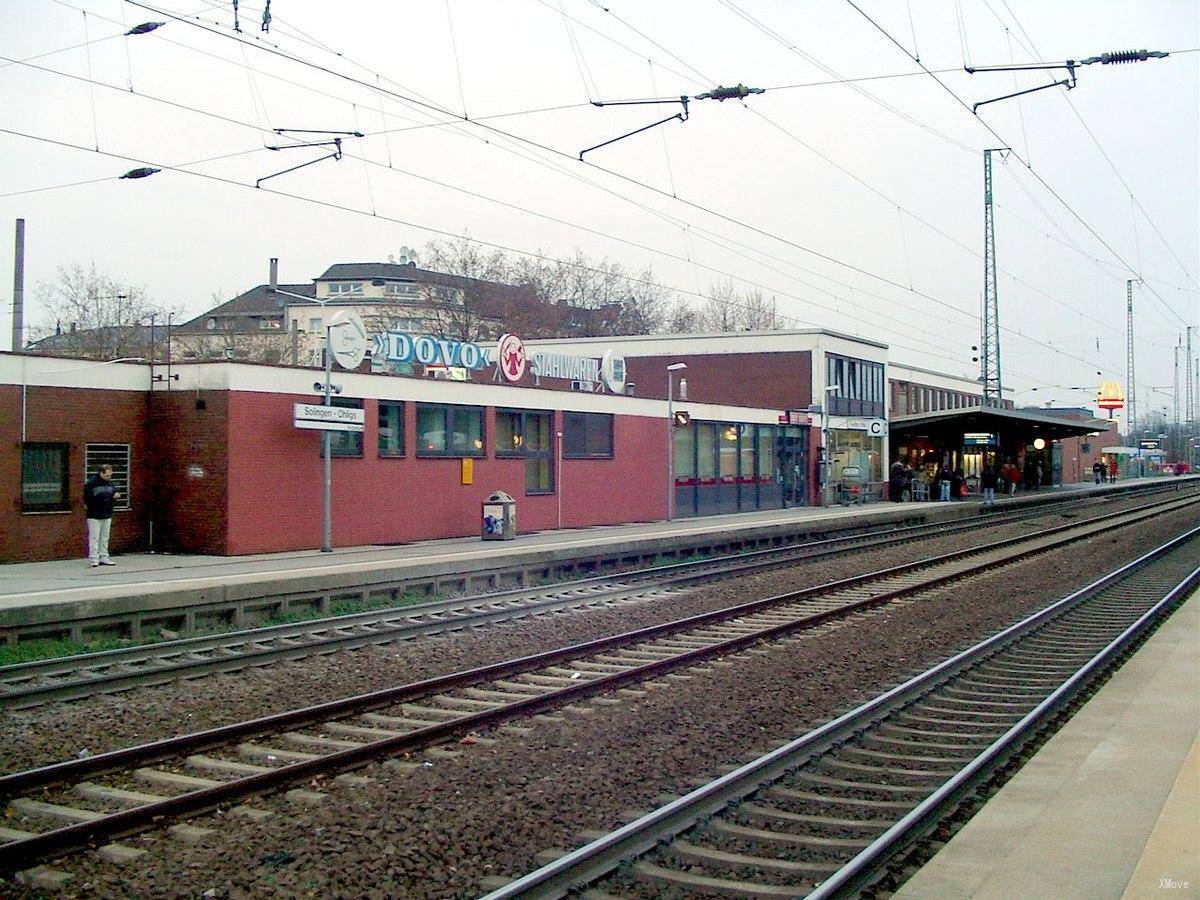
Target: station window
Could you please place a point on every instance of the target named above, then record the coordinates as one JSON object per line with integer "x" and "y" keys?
{"x": 449, "y": 430}
{"x": 525, "y": 434}
{"x": 115, "y": 455}
{"x": 859, "y": 386}
{"x": 44, "y": 477}
{"x": 346, "y": 443}
{"x": 587, "y": 435}
{"x": 391, "y": 428}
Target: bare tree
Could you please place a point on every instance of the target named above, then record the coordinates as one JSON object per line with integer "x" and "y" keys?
{"x": 468, "y": 306}
{"x": 758, "y": 313}
{"x": 725, "y": 309}
{"x": 88, "y": 313}
{"x": 721, "y": 307}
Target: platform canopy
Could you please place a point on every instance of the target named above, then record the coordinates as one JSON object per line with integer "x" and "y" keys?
{"x": 948, "y": 427}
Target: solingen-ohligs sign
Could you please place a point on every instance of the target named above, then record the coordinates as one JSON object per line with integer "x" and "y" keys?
{"x": 327, "y": 418}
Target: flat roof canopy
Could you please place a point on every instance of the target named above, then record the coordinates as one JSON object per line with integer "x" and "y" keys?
{"x": 948, "y": 426}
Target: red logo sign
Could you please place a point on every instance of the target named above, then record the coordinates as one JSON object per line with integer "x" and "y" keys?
{"x": 510, "y": 356}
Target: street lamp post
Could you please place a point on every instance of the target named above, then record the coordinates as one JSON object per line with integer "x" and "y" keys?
{"x": 671, "y": 370}
{"x": 827, "y": 463}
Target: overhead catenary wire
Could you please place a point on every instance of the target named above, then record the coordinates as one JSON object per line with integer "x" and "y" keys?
{"x": 695, "y": 205}
{"x": 627, "y": 179}
{"x": 1031, "y": 48}
{"x": 1054, "y": 193}
{"x": 632, "y": 279}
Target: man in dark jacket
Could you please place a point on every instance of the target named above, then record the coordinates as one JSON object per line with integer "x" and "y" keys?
{"x": 988, "y": 479}
{"x": 897, "y": 481}
{"x": 100, "y": 495}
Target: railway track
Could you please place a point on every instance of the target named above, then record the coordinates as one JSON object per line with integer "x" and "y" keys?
{"x": 54, "y": 808}
{"x": 830, "y": 813}
{"x": 31, "y": 684}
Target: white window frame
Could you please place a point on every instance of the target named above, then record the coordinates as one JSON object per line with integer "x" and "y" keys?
{"x": 118, "y": 456}
{"x": 346, "y": 287}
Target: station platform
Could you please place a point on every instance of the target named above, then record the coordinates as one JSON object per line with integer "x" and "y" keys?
{"x": 59, "y": 598}
{"x": 1109, "y": 807}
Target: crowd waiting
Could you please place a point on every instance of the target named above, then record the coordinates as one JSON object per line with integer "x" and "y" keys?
{"x": 933, "y": 482}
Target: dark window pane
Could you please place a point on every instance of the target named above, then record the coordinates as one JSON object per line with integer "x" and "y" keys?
{"x": 587, "y": 435}
{"x": 537, "y": 432}
{"x": 346, "y": 443}
{"x": 431, "y": 430}
{"x": 466, "y": 432}
{"x": 44, "y": 477}
{"x": 391, "y": 428}
{"x": 509, "y": 440}
{"x": 539, "y": 476}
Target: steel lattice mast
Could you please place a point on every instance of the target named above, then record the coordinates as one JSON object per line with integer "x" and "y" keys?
{"x": 989, "y": 358}
{"x": 1190, "y": 405}
{"x": 1175, "y": 396}
{"x": 1130, "y": 384}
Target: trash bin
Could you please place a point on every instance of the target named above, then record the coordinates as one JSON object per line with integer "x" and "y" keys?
{"x": 499, "y": 518}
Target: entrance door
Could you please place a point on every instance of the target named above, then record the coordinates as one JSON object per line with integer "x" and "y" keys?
{"x": 792, "y": 454}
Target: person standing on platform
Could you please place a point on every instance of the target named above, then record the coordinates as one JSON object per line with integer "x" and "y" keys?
{"x": 1098, "y": 471}
{"x": 1012, "y": 477}
{"x": 896, "y": 481}
{"x": 1113, "y": 470}
{"x": 988, "y": 479}
{"x": 100, "y": 496}
{"x": 944, "y": 478}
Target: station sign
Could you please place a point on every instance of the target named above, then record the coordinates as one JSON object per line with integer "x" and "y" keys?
{"x": 402, "y": 347}
{"x": 873, "y": 427}
{"x": 795, "y": 417}
{"x": 510, "y": 357}
{"x": 327, "y": 418}
{"x": 1153, "y": 444}
{"x": 980, "y": 439}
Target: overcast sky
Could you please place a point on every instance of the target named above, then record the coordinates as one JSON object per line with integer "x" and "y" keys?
{"x": 836, "y": 199}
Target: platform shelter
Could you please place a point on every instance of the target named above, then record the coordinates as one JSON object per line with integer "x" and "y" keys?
{"x": 985, "y": 435}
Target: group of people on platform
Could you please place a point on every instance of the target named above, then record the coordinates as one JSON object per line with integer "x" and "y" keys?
{"x": 945, "y": 484}
{"x": 1104, "y": 472}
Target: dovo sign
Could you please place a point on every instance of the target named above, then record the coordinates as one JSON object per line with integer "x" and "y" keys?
{"x": 401, "y": 347}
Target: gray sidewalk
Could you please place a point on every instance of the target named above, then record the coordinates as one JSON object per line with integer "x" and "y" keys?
{"x": 23, "y": 584}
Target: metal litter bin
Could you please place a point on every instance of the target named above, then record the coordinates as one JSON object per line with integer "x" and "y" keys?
{"x": 498, "y": 521}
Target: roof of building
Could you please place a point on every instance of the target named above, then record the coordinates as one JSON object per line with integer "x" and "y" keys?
{"x": 367, "y": 271}
{"x": 985, "y": 418}
{"x": 252, "y": 304}
{"x": 731, "y": 336}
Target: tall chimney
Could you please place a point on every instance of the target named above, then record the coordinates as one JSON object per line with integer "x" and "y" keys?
{"x": 18, "y": 314}
{"x": 274, "y": 276}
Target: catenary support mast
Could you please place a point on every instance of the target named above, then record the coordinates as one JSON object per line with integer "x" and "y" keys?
{"x": 990, "y": 357}
{"x": 1175, "y": 395}
{"x": 1130, "y": 384}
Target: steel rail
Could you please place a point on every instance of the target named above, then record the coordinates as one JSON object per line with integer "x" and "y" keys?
{"x": 166, "y": 661}
{"x": 18, "y": 853}
{"x": 102, "y": 762}
{"x": 604, "y": 855}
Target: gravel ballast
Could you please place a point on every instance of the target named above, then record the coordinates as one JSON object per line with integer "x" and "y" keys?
{"x": 441, "y": 829}
{"x": 50, "y": 733}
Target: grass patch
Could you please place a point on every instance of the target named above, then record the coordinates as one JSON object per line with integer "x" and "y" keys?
{"x": 49, "y": 648}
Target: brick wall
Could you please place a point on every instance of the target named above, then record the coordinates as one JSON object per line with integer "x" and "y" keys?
{"x": 1077, "y": 462}
{"x": 191, "y": 434}
{"x": 275, "y": 475}
{"x": 764, "y": 380}
{"x": 77, "y": 417}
